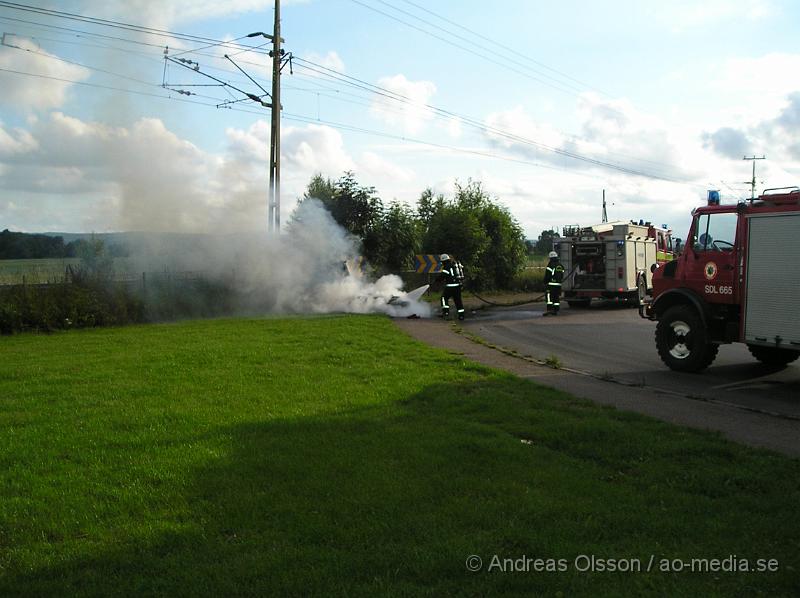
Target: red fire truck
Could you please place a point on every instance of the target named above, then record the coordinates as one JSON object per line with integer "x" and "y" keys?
{"x": 736, "y": 281}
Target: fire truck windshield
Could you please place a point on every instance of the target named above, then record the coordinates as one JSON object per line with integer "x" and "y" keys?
{"x": 715, "y": 232}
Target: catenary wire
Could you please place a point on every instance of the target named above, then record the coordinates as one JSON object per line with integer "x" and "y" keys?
{"x": 392, "y": 95}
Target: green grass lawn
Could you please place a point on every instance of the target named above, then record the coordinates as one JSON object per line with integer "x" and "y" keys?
{"x": 333, "y": 455}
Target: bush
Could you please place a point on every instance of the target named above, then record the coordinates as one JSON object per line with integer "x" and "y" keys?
{"x": 82, "y": 303}
{"x": 529, "y": 280}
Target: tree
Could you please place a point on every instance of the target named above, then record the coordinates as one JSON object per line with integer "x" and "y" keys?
{"x": 484, "y": 236}
{"x": 544, "y": 244}
{"x": 95, "y": 260}
{"x": 428, "y": 205}
{"x": 15, "y": 246}
{"x": 504, "y": 255}
{"x": 320, "y": 188}
{"x": 398, "y": 238}
{"x": 354, "y": 207}
{"x": 455, "y": 230}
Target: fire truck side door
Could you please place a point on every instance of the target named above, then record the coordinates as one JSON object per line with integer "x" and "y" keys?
{"x": 711, "y": 269}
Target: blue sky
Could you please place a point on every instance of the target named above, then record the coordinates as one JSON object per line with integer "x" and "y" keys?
{"x": 676, "y": 92}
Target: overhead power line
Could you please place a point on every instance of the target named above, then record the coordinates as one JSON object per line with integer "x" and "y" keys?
{"x": 556, "y": 86}
{"x": 308, "y": 120}
{"x": 498, "y": 44}
{"x": 492, "y": 51}
{"x": 356, "y": 83}
{"x": 483, "y": 126}
{"x": 120, "y": 25}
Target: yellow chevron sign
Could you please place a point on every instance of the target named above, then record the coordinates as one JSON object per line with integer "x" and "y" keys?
{"x": 427, "y": 263}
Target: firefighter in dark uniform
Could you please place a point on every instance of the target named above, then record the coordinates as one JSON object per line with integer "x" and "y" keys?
{"x": 553, "y": 275}
{"x": 452, "y": 277}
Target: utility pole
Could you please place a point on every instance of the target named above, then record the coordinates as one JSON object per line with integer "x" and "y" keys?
{"x": 605, "y": 214}
{"x": 752, "y": 182}
{"x": 279, "y": 59}
{"x": 274, "y": 223}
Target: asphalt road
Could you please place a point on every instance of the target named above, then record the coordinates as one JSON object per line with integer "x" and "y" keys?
{"x": 610, "y": 340}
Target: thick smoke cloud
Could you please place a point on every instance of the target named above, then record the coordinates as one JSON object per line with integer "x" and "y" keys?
{"x": 308, "y": 269}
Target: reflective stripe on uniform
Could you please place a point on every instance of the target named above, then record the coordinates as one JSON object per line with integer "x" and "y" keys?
{"x": 453, "y": 284}
{"x": 555, "y": 284}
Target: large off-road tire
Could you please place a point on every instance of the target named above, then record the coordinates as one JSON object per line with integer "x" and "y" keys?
{"x": 773, "y": 355}
{"x": 682, "y": 340}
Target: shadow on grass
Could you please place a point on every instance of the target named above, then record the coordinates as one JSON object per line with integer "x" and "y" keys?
{"x": 393, "y": 499}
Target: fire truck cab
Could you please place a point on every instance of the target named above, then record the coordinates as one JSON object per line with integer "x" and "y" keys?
{"x": 735, "y": 281}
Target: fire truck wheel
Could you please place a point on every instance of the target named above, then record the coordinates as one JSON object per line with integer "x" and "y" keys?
{"x": 682, "y": 342}
{"x": 641, "y": 287}
{"x": 773, "y": 355}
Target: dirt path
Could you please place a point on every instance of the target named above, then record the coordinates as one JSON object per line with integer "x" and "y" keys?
{"x": 750, "y": 428}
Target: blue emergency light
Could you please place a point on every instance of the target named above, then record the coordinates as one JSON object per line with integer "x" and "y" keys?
{"x": 713, "y": 197}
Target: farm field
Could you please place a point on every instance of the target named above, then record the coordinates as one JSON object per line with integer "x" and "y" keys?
{"x": 42, "y": 271}
{"x": 334, "y": 455}
{"x": 35, "y": 271}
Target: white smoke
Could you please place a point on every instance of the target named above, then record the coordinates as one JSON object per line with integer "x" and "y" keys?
{"x": 304, "y": 270}
{"x": 351, "y": 294}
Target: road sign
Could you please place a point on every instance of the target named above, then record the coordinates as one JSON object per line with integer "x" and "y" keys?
{"x": 356, "y": 266}
{"x": 427, "y": 264}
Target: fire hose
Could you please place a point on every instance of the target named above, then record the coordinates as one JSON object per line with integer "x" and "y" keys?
{"x": 534, "y": 300}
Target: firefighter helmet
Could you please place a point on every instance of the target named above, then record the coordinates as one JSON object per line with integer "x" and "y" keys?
{"x": 552, "y": 254}
{"x": 444, "y": 257}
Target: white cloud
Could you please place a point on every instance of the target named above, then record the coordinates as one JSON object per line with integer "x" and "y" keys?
{"x": 611, "y": 132}
{"x": 74, "y": 174}
{"x": 410, "y": 114}
{"x": 518, "y": 123}
{"x": 27, "y": 92}
{"x": 778, "y": 136}
{"x": 315, "y": 148}
{"x": 375, "y": 167}
{"x": 17, "y": 141}
{"x": 156, "y": 13}
{"x": 759, "y": 85}
{"x": 330, "y": 60}
{"x": 454, "y": 127}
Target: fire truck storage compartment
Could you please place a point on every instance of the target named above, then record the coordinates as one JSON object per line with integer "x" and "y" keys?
{"x": 633, "y": 256}
{"x": 589, "y": 267}
{"x": 773, "y": 279}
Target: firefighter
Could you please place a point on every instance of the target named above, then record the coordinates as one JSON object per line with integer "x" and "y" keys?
{"x": 553, "y": 275}
{"x": 452, "y": 277}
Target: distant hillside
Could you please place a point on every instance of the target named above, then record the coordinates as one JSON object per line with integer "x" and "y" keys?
{"x": 24, "y": 246}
